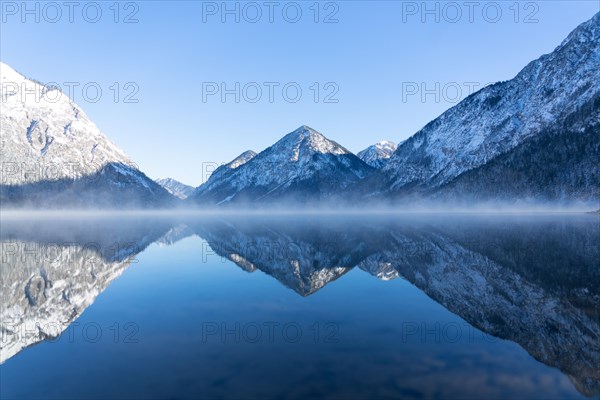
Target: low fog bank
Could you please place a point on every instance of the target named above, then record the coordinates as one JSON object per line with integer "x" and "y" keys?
{"x": 312, "y": 208}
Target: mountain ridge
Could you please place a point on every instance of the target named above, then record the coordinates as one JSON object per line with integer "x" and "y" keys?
{"x": 303, "y": 164}
{"x": 54, "y": 156}
{"x": 176, "y": 188}
{"x": 501, "y": 116}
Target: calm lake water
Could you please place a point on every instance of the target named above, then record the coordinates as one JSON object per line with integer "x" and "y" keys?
{"x": 427, "y": 306}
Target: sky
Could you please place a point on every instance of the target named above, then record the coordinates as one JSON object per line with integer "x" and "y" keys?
{"x": 182, "y": 86}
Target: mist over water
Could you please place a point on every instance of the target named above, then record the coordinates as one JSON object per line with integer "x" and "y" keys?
{"x": 311, "y": 208}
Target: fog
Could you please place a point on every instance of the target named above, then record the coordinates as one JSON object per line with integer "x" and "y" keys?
{"x": 316, "y": 209}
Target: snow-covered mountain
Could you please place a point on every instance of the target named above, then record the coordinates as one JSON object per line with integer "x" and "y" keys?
{"x": 176, "y": 188}
{"x": 53, "y": 155}
{"x": 533, "y": 138}
{"x": 226, "y": 169}
{"x": 546, "y": 94}
{"x": 378, "y": 154}
{"x": 304, "y": 165}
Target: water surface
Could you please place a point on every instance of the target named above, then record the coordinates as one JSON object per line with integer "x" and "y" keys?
{"x": 428, "y": 306}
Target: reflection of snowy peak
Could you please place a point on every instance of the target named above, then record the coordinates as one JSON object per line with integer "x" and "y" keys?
{"x": 379, "y": 266}
{"x": 500, "y": 117}
{"x": 174, "y": 235}
{"x": 303, "y": 164}
{"x": 54, "y": 155}
{"x": 537, "y": 302}
{"x": 512, "y": 278}
{"x": 40, "y": 301}
{"x": 378, "y": 154}
{"x": 302, "y": 261}
{"x": 69, "y": 264}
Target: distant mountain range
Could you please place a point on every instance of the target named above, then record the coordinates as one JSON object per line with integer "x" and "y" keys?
{"x": 303, "y": 165}
{"x": 534, "y": 138}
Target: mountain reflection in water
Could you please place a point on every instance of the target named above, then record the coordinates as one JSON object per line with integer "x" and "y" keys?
{"x": 532, "y": 280}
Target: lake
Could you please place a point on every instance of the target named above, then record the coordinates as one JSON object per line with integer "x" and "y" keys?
{"x": 321, "y": 306}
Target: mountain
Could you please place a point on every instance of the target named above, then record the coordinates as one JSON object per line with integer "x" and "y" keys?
{"x": 552, "y": 101}
{"x": 303, "y": 166}
{"x": 226, "y": 169}
{"x": 53, "y": 155}
{"x": 378, "y": 154}
{"x": 175, "y": 187}
{"x": 560, "y": 165}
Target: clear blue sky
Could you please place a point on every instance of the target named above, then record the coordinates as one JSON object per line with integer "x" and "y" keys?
{"x": 374, "y": 55}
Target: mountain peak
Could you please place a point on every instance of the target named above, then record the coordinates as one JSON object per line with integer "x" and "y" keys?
{"x": 377, "y": 155}
{"x": 225, "y": 170}
{"x": 303, "y": 132}
{"x": 306, "y": 129}
{"x": 385, "y": 144}
{"x": 307, "y": 140}
{"x": 303, "y": 164}
{"x": 175, "y": 187}
{"x": 44, "y": 129}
